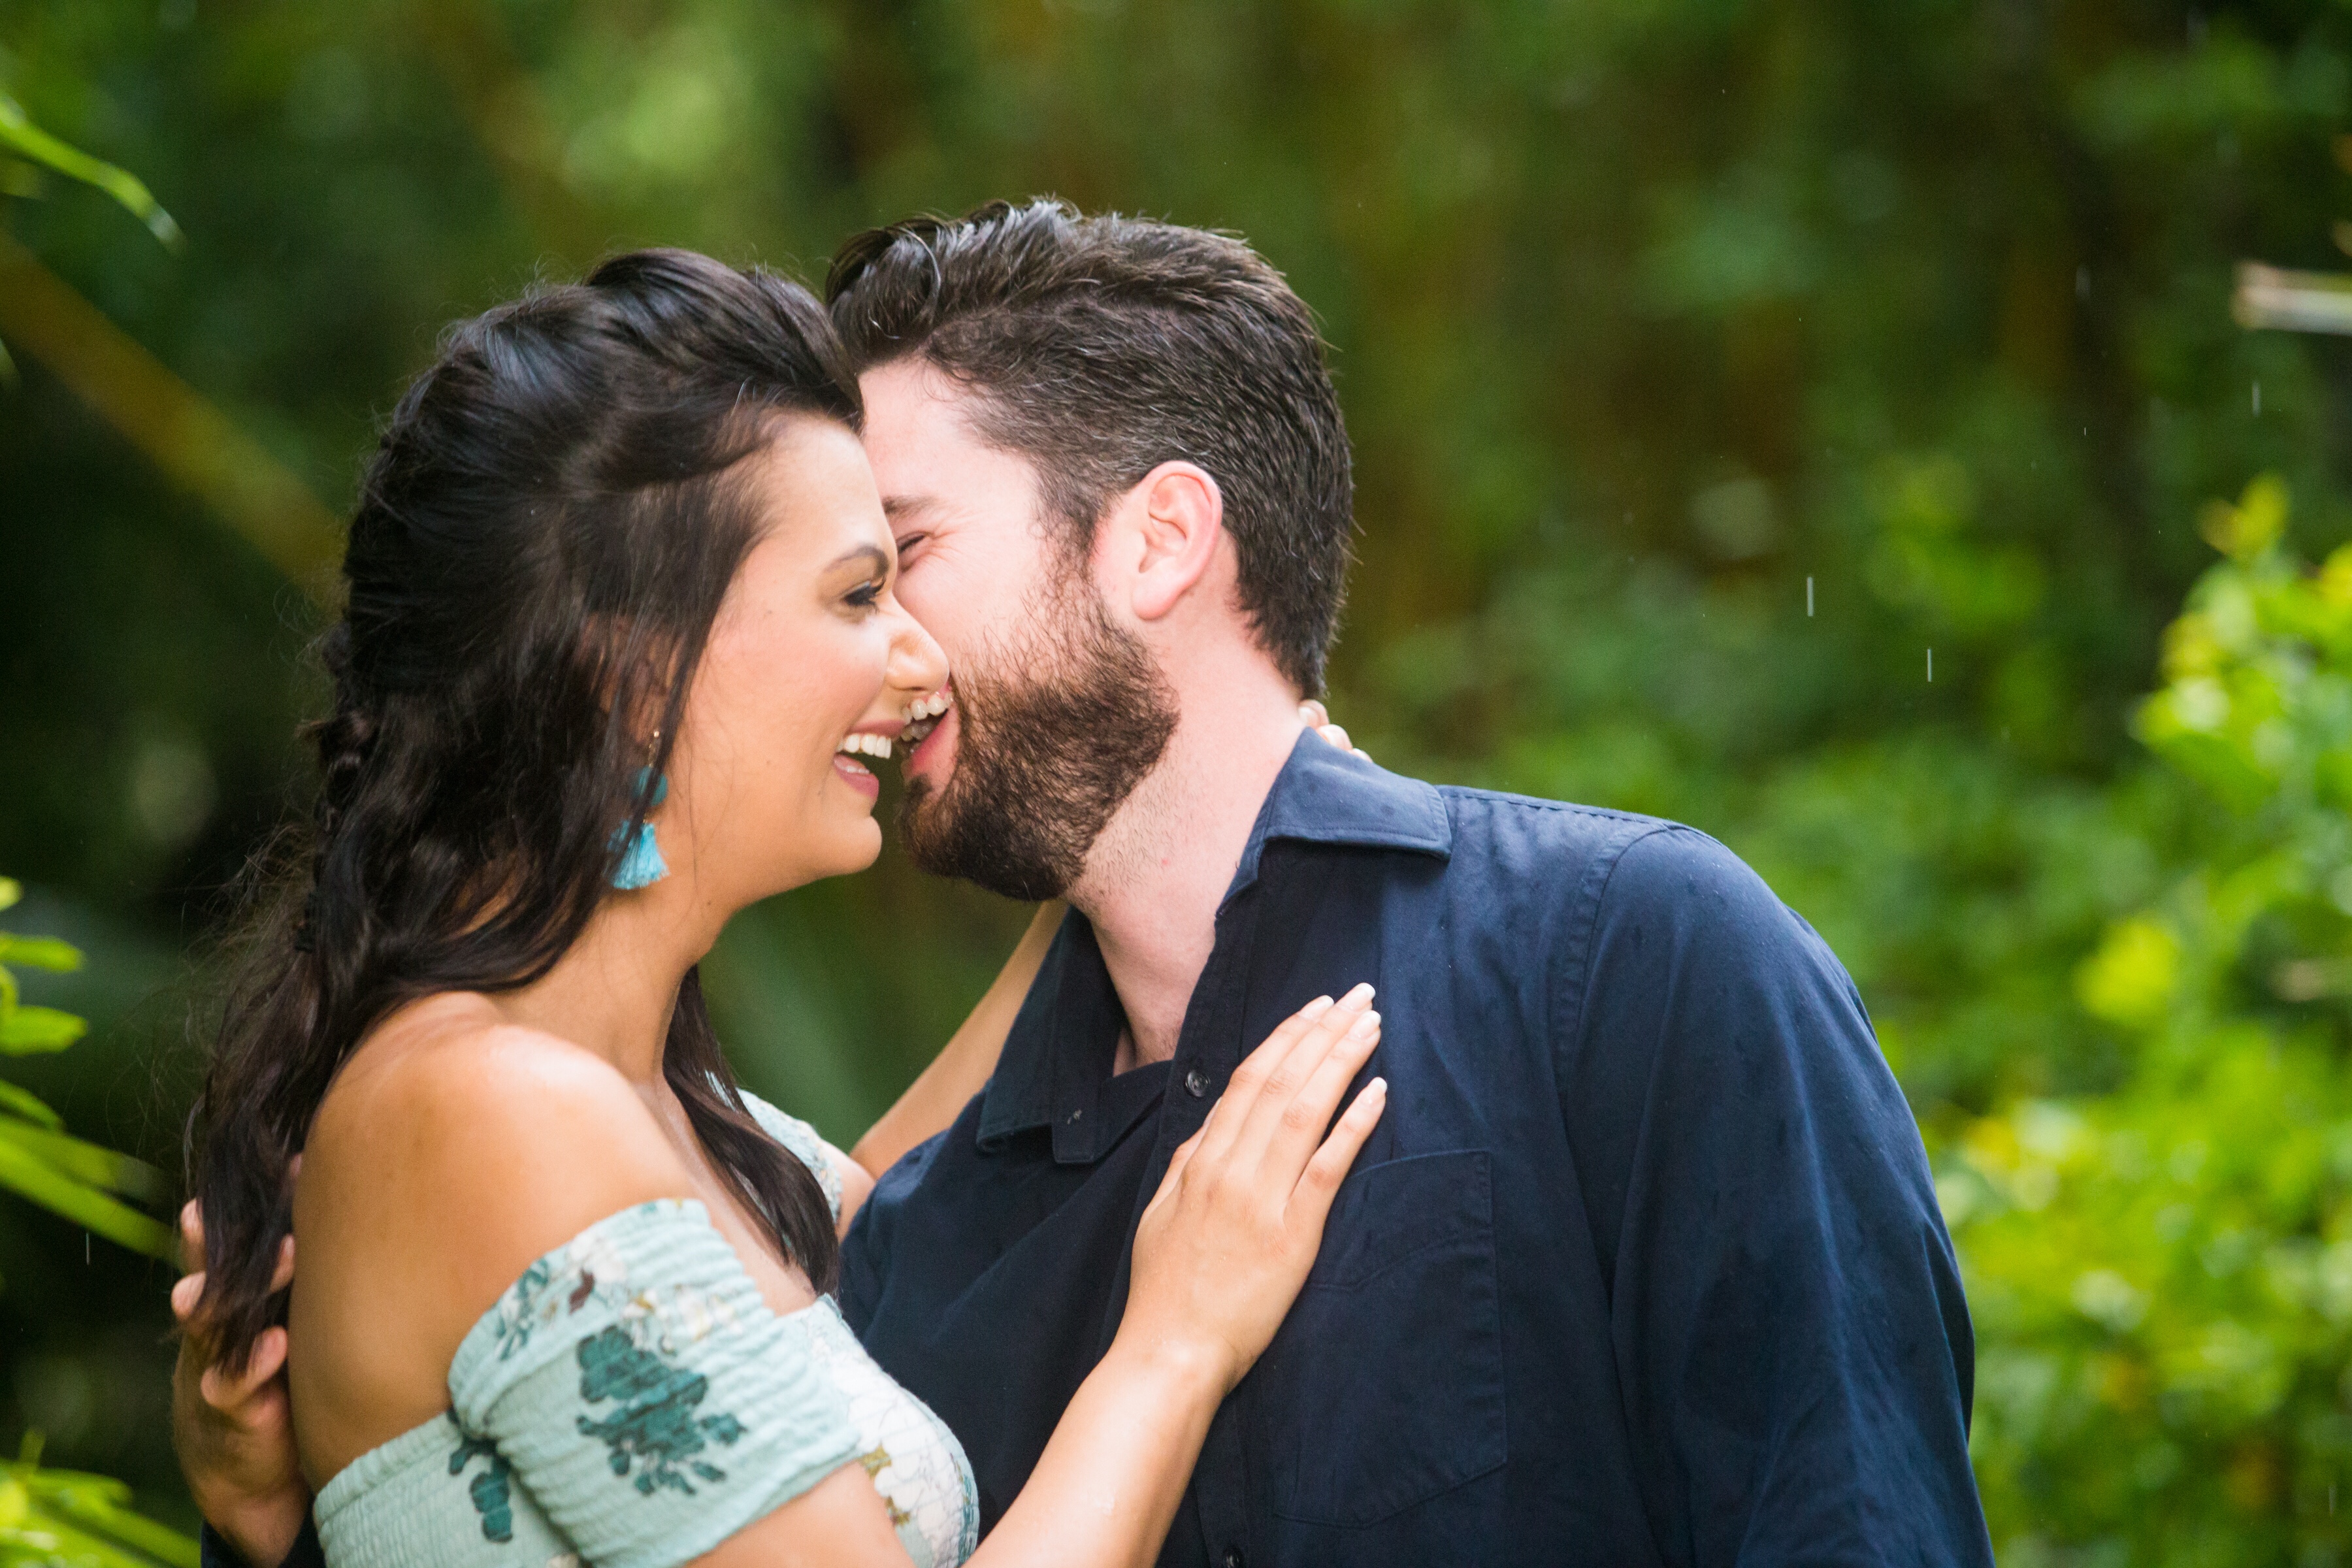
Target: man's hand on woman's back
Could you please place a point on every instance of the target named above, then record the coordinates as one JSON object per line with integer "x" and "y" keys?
{"x": 234, "y": 1432}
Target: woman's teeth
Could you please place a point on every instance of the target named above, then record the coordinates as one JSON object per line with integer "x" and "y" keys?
{"x": 921, "y": 720}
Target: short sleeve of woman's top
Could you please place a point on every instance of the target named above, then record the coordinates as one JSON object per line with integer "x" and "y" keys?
{"x": 643, "y": 1393}
{"x": 805, "y": 1144}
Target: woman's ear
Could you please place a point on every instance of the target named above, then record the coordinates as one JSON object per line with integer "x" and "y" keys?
{"x": 1177, "y": 515}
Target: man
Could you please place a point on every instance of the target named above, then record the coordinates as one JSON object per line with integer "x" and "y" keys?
{"x": 1643, "y": 1264}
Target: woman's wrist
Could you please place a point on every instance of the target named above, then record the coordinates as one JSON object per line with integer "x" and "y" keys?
{"x": 1178, "y": 1366}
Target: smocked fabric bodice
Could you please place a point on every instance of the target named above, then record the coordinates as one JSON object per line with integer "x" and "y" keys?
{"x": 632, "y": 1401}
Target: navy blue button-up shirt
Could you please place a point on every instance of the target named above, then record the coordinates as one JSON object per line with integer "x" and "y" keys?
{"x": 1642, "y": 1265}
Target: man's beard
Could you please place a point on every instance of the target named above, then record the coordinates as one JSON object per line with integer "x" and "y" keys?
{"x": 1052, "y": 736}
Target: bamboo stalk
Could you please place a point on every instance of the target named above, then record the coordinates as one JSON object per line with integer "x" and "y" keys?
{"x": 193, "y": 443}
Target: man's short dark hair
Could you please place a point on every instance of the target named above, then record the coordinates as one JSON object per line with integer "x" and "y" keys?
{"x": 1104, "y": 346}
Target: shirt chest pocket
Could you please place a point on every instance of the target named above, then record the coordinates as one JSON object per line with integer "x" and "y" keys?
{"x": 1384, "y": 1386}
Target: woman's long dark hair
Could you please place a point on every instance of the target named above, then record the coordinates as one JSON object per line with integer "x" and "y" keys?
{"x": 542, "y": 542}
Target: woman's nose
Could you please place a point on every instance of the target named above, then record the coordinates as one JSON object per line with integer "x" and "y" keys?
{"x": 917, "y": 663}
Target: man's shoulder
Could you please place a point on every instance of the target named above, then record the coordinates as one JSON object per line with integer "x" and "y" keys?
{"x": 1565, "y": 824}
{"x": 1580, "y": 871}
{"x": 1624, "y": 853}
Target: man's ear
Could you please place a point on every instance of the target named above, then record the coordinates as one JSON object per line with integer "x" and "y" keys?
{"x": 1178, "y": 518}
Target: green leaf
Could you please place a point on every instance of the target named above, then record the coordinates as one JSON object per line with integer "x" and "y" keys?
{"x": 28, "y": 1031}
{"x": 39, "y": 952}
{"x": 11, "y": 890}
{"x": 32, "y": 1177}
{"x": 20, "y": 135}
{"x": 100, "y": 1167}
{"x": 101, "y": 1504}
{"x": 24, "y": 1103}
{"x": 46, "y": 1540}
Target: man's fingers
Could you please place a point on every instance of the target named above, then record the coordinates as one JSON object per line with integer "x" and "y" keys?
{"x": 1319, "y": 1183}
{"x": 230, "y": 1395}
{"x": 268, "y": 1358}
{"x": 192, "y": 1235}
{"x": 186, "y": 1292}
{"x": 1315, "y": 713}
{"x": 1337, "y": 737}
{"x": 282, "y": 1275}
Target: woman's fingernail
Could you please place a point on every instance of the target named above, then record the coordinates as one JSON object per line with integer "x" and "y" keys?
{"x": 1378, "y": 1085}
{"x": 1365, "y": 1027}
{"x": 1316, "y": 1008}
{"x": 1360, "y": 996}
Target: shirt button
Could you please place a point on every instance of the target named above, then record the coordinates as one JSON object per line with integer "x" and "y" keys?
{"x": 1196, "y": 1084}
{"x": 1232, "y": 1557}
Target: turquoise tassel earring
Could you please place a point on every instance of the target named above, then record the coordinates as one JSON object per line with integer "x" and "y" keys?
{"x": 641, "y": 861}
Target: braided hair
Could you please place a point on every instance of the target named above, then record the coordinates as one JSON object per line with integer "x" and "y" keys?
{"x": 541, "y": 543}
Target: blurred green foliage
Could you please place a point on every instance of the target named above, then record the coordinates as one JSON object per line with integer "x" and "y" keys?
{"x": 59, "y": 1518}
{"x": 39, "y": 1160}
{"x": 2162, "y": 1273}
{"x": 1718, "y": 370}
{"x": 62, "y": 1519}
{"x": 30, "y": 143}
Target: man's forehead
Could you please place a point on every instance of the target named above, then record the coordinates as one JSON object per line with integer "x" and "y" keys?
{"x": 909, "y": 393}
{"x": 901, "y": 509}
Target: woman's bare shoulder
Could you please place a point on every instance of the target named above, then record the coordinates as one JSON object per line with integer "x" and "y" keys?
{"x": 464, "y": 1148}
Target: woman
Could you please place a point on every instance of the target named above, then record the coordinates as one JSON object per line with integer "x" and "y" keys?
{"x": 619, "y": 631}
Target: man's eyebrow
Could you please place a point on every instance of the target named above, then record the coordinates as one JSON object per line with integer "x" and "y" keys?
{"x": 894, "y": 508}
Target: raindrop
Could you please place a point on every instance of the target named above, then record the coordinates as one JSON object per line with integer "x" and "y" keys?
{"x": 1809, "y": 599}
{"x": 2258, "y": 398}
{"x": 1931, "y": 666}
{"x": 2082, "y": 283}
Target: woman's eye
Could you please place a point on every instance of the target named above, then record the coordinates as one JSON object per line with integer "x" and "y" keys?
{"x": 865, "y": 594}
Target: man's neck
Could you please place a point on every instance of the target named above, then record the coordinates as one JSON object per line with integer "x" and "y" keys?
{"x": 1159, "y": 870}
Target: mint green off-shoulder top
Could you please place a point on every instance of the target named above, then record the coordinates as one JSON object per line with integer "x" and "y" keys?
{"x": 632, "y": 1401}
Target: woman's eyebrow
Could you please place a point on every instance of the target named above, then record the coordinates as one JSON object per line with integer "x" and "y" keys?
{"x": 870, "y": 555}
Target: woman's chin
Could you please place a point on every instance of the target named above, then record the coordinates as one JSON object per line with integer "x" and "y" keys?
{"x": 851, "y": 849}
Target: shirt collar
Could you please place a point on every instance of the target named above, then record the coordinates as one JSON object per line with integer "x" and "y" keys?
{"x": 1056, "y": 1061}
{"x": 1325, "y": 795}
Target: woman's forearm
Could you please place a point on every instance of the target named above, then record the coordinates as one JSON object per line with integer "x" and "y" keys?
{"x": 1106, "y": 1487}
{"x": 965, "y": 1064}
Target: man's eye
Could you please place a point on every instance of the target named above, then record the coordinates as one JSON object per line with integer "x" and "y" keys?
{"x": 908, "y": 545}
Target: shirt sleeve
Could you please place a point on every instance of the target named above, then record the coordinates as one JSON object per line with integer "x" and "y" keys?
{"x": 644, "y": 1395}
{"x": 212, "y": 1550}
{"x": 868, "y": 1250}
{"x": 1793, "y": 1348}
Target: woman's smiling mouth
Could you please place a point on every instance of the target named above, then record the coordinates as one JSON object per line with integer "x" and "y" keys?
{"x": 921, "y": 718}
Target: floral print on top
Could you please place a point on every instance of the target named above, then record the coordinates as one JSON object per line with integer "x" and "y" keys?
{"x": 916, "y": 1462}
{"x": 631, "y": 1402}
